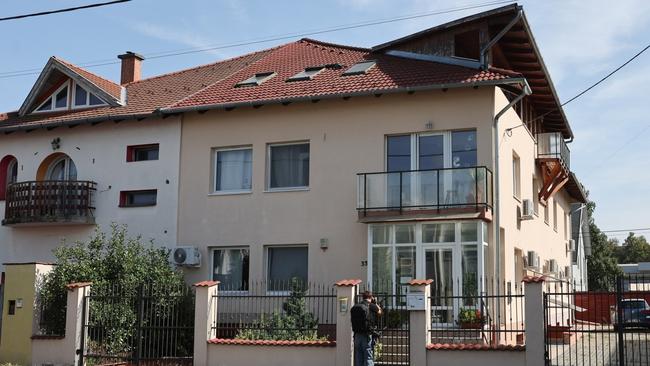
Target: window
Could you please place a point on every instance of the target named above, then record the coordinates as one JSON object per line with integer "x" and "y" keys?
{"x": 516, "y": 176}
{"x": 62, "y": 99}
{"x": 466, "y": 44}
{"x": 142, "y": 152}
{"x": 230, "y": 266}
{"x": 57, "y": 101}
{"x": 546, "y": 213}
{"x": 256, "y": 79}
{"x": 233, "y": 170}
{"x": 284, "y": 265}
{"x": 307, "y": 74}
{"x": 62, "y": 168}
{"x": 463, "y": 149}
{"x": 138, "y": 198}
{"x": 555, "y": 215}
{"x": 535, "y": 196}
{"x": 83, "y": 98}
{"x": 12, "y": 307}
{"x": 8, "y": 174}
{"x": 566, "y": 227}
{"x": 288, "y": 166}
{"x": 360, "y": 68}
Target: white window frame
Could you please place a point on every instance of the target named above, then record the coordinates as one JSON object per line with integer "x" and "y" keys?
{"x": 68, "y": 160}
{"x": 267, "y": 267}
{"x": 555, "y": 215}
{"x": 212, "y": 249}
{"x": 268, "y": 167}
{"x": 516, "y": 176}
{"x": 213, "y": 185}
{"x": 73, "y": 104}
{"x": 10, "y": 167}
{"x": 51, "y": 99}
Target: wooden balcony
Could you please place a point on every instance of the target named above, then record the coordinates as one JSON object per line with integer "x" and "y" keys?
{"x": 50, "y": 203}
{"x": 554, "y": 160}
{"x": 425, "y": 194}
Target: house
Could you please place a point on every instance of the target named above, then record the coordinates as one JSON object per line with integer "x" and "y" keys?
{"x": 311, "y": 160}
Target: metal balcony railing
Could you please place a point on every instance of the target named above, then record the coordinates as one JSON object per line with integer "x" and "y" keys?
{"x": 425, "y": 189}
{"x": 41, "y": 202}
{"x": 551, "y": 145}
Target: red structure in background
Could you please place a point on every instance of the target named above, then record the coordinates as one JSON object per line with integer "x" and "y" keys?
{"x": 598, "y": 305}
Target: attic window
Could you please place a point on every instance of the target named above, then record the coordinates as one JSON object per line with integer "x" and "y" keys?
{"x": 56, "y": 101}
{"x": 360, "y": 68}
{"x": 62, "y": 99}
{"x": 466, "y": 45}
{"x": 83, "y": 98}
{"x": 307, "y": 74}
{"x": 256, "y": 79}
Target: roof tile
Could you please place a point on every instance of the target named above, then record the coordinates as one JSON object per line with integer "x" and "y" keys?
{"x": 249, "y": 342}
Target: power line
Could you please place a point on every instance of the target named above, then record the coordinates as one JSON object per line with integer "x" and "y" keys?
{"x": 14, "y": 17}
{"x": 625, "y": 230}
{"x": 164, "y": 54}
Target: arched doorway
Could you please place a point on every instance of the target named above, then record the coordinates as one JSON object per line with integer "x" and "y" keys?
{"x": 57, "y": 167}
{"x": 8, "y": 173}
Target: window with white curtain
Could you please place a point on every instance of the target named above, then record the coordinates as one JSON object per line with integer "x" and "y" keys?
{"x": 288, "y": 166}
{"x": 233, "y": 170}
{"x": 230, "y": 266}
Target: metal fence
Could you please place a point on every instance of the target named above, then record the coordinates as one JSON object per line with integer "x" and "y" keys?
{"x": 484, "y": 318}
{"x": 290, "y": 311}
{"x": 598, "y": 327}
{"x": 152, "y": 324}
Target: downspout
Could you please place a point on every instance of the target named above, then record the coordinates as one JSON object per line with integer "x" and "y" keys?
{"x": 497, "y": 209}
{"x": 483, "y": 57}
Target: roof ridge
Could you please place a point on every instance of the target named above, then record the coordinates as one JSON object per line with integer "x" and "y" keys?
{"x": 268, "y": 52}
{"x": 202, "y": 66}
{"x": 335, "y": 45}
{"x": 71, "y": 65}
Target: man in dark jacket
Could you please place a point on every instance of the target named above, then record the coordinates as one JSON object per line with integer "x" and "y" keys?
{"x": 364, "y": 324}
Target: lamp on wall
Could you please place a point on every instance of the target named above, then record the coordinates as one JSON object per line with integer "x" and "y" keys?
{"x": 56, "y": 143}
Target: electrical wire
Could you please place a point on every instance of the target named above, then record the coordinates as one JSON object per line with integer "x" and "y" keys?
{"x": 179, "y": 52}
{"x": 65, "y": 10}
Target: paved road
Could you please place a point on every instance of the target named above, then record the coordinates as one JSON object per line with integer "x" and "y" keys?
{"x": 600, "y": 349}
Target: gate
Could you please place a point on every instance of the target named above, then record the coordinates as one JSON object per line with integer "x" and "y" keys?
{"x": 148, "y": 325}
{"x": 392, "y": 348}
{"x": 598, "y": 328}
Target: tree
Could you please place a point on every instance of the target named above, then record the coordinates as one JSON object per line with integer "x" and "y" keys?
{"x": 602, "y": 266}
{"x": 120, "y": 268}
{"x": 635, "y": 249}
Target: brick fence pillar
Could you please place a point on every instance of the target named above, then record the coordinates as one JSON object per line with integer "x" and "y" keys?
{"x": 534, "y": 320}
{"x": 419, "y": 308}
{"x": 205, "y": 310}
{"x": 346, "y": 291}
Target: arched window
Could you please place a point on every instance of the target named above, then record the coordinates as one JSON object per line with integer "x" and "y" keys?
{"x": 62, "y": 168}
{"x": 8, "y": 173}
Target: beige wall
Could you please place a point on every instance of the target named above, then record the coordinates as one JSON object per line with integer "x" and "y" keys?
{"x": 346, "y": 138}
{"x": 484, "y": 358}
{"x": 239, "y": 355}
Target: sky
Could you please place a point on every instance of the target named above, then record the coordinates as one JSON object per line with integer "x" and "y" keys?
{"x": 580, "y": 41}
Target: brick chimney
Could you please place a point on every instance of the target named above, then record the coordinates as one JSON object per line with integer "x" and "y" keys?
{"x": 131, "y": 62}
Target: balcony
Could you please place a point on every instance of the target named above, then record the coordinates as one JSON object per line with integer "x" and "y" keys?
{"x": 553, "y": 158}
{"x": 50, "y": 202}
{"x": 425, "y": 193}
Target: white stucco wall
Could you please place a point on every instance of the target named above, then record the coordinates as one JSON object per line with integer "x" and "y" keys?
{"x": 99, "y": 153}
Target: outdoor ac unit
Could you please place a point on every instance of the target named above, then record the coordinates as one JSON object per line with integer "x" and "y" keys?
{"x": 527, "y": 210}
{"x": 186, "y": 256}
{"x": 552, "y": 266}
{"x": 572, "y": 245}
{"x": 533, "y": 259}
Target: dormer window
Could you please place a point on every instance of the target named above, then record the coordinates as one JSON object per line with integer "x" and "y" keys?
{"x": 256, "y": 79}
{"x": 62, "y": 99}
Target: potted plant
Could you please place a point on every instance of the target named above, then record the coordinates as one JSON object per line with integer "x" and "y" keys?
{"x": 470, "y": 319}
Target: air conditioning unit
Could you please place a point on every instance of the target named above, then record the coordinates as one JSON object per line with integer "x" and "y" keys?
{"x": 552, "y": 266}
{"x": 186, "y": 256}
{"x": 527, "y": 210}
{"x": 533, "y": 259}
{"x": 572, "y": 245}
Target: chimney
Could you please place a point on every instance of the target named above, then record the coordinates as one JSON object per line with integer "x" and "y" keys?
{"x": 130, "y": 67}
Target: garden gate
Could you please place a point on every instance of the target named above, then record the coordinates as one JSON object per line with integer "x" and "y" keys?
{"x": 148, "y": 325}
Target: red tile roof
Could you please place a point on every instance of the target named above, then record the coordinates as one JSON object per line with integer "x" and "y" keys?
{"x": 115, "y": 90}
{"x": 533, "y": 279}
{"x": 389, "y": 73}
{"x": 475, "y": 347}
{"x": 347, "y": 283}
{"x": 415, "y": 282}
{"x": 213, "y": 85}
{"x": 248, "y": 342}
{"x": 206, "y": 283}
{"x": 75, "y": 285}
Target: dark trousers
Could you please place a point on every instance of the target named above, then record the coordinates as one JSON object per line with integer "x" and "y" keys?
{"x": 363, "y": 349}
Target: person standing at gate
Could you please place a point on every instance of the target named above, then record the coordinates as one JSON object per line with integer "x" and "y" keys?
{"x": 364, "y": 325}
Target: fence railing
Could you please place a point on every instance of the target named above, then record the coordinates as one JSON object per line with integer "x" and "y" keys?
{"x": 477, "y": 319}
{"x": 425, "y": 189}
{"x": 50, "y": 201}
{"x": 290, "y": 311}
{"x": 552, "y": 145}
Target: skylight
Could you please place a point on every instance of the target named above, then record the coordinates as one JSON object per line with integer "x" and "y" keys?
{"x": 256, "y": 79}
{"x": 360, "y": 68}
{"x": 62, "y": 99}
{"x": 307, "y": 74}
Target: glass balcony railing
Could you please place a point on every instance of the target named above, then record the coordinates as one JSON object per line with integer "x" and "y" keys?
{"x": 551, "y": 145}
{"x": 425, "y": 189}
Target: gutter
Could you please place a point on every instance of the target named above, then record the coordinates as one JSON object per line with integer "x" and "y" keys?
{"x": 80, "y": 121}
{"x": 497, "y": 206}
{"x": 316, "y": 98}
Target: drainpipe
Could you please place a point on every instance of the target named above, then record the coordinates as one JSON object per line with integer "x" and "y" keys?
{"x": 493, "y": 41}
{"x": 497, "y": 206}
